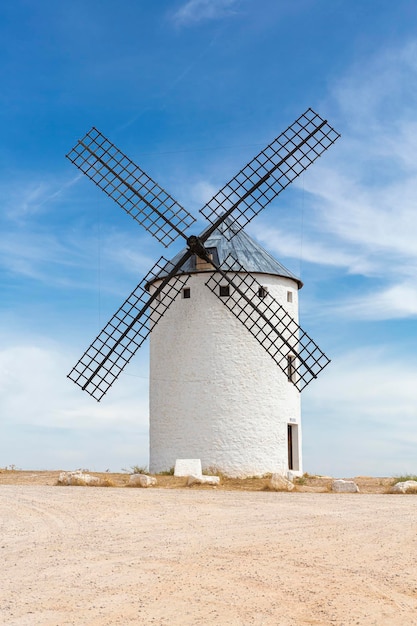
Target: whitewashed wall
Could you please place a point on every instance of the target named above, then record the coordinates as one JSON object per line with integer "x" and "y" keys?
{"x": 215, "y": 394}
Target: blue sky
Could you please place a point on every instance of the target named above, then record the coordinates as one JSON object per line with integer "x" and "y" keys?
{"x": 191, "y": 90}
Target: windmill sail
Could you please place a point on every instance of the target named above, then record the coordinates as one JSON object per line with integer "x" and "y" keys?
{"x": 270, "y": 172}
{"x": 102, "y": 363}
{"x": 298, "y": 356}
{"x": 128, "y": 185}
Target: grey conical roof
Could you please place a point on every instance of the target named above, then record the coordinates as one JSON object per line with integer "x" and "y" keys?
{"x": 250, "y": 255}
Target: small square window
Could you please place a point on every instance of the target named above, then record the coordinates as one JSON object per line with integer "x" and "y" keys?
{"x": 262, "y": 292}
{"x": 186, "y": 292}
{"x": 224, "y": 291}
{"x": 289, "y": 296}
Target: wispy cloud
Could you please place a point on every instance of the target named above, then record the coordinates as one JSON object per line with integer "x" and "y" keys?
{"x": 31, "y": 255}
{"x": 383, "y": 384}
{"x": 320, "y": 251}
{"x": 364, "y": 409}
{"x": 202, "y": 192}
{"x": 373, "y": 218}
{"x": 381, "y": 88}
{"x": 398, "y": 301}
{"x": 360, "y": 203}
{"x": 22, "y": 200}
{"x": 195, "y": 11}
{"x": 73, "y": 259}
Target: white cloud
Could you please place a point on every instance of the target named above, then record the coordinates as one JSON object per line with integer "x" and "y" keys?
{"x": 397, "y": 301}
{"x": 372, "y": 201}
{"x": 359, "y": 206}
{"x": 31, "y": 254}
{"x": 38, "y": 370}
{"x": 360, "y": 416}
{"x": 195, "y": 11}
{"x": 21, "y": 200}
{"x": 201, "y": 192}
{"x": 39, "y": 403}
{"x": 381, "y": 88}
{"x": 291, "y": 245}
{"x": 372, "y": 383}
{"x": 74, "y": 259}
{"x": 123, "y": 250}
{"x": 372, "y": 218}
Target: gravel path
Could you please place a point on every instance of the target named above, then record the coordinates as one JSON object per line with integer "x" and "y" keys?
{"x": 91, "y": 556}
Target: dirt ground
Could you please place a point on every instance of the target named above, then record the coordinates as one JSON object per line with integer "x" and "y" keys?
{"x": 235, "y": 555}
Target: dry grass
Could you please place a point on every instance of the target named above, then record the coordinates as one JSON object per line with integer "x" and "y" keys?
{"x": 306, "y": 484}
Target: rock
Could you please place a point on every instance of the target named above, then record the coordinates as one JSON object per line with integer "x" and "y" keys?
{"x": 77, "y": 478}
{"x": 344, "y": 486}
{"x": 278, "y": 482}
{"x": 141, "y": 480}
{"x": 406, "y": 486}
{"x": 91, "y": 480}
{"x": 203, "y": 480}
{"x": 188, "y": 467}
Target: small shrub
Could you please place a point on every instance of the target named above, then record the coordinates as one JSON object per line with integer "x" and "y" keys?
{"x": 139, "y": 469}
{"x": 11, "y": 468}
{"x": 403, "y": 479}
{"x": 302, "y": 480}
{"x": 213, "y": 471}
{"x": 169, "y": 472}
{"x": 136, "y": 469}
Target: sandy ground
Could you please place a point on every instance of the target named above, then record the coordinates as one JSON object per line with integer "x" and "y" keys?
{"x": 104, "y": 556}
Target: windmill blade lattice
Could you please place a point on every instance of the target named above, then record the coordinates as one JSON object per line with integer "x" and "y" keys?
{"x": 270, "y": 172}
{"x": 128, "y": 185}
{"x": 298, "y": 356}
{"x": 111, "y": 351}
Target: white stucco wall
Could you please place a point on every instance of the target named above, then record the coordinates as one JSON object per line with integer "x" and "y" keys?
{"x": 215, "y": 393}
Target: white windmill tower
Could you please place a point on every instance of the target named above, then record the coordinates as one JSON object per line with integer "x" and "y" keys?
{"x": 215, "y": 391}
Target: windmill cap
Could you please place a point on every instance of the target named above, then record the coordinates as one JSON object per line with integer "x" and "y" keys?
{"x": 246, "y": 251}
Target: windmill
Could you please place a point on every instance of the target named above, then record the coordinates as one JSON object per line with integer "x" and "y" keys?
{"x": 250, "y": 304}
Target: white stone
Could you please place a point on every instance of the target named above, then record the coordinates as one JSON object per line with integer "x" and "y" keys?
{"x": 203, "y": 480}
{"x": 215, "y": 393}
{"x": 344, "y": 486}
{"x": 406, "y": 486}
{"x": 278, "y": 482}
{"x": 185, "y": 467}
{"x": 91, "y": 480}
{"x": 77, "y": 478}
{"x": 141, "y": 480}
{"x": 63, "y": 478}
